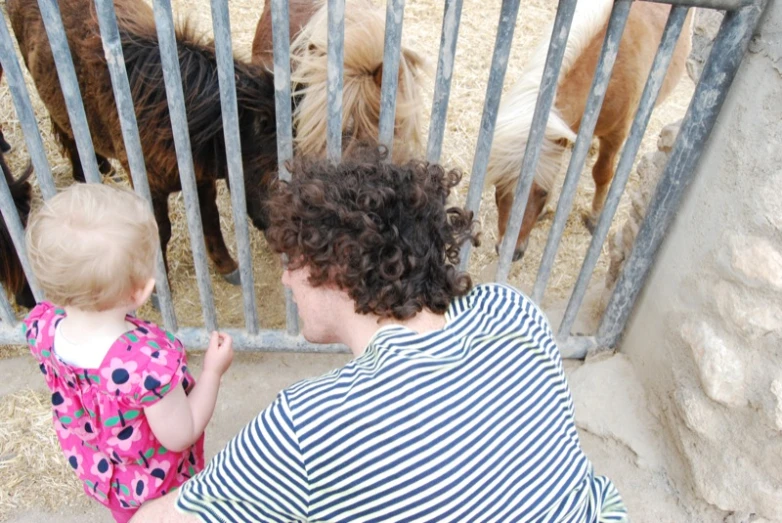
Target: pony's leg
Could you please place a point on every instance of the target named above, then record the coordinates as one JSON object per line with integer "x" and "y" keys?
{"x": 69, "y": 145}
{"x": 160, "y": 208}
{"x": 215, "y": 244}
{"x": 104, "y": 166}
{"x": 25, "y": 298}
{"x": 5, "y": 147}
{"x": 504, "y": 202}
{"x": 602, "y": 174}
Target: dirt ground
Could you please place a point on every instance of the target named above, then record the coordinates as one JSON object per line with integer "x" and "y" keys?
{"x": 48, "y": 492}
{"x": 627, "y": 455}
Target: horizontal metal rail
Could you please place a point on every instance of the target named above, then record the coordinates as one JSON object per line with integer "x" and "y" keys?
{"x": 728, "y": 5}
{"x": 198, "y": 339}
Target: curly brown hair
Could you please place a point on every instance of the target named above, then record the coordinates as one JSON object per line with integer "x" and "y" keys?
{"x": 381, "y": 232}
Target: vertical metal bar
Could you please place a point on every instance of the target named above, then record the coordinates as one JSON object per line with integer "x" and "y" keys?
{"x": 233, "y": 152}
{"x": 24, "y": 110}
{"x": 16, "y": 230}
{"x": 499, "y": 64}
{"x": 653, "y": 85}
{"x": 548, "y": 90}
{"x": 7, "y": 315}
{"x": 282, "y": 84}
{"x": 69, "y": 85}
{"x": 452, "y": 15}
{"x": 115, "y": 60}
{"x": 605, "y": 66}
{"x": 391, "y": 54}
{"x": 282, "y": 99}
{"x": 336, "y": 54}
{"x": 176, "y": 107}
{"x": 719, "y": 71}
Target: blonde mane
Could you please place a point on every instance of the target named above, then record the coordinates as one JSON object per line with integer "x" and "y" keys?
{"x": 364, "y": 35}
{"x": 514, "y": 117}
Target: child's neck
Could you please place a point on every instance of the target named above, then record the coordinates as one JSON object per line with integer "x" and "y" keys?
{"x": 80, "y": 325}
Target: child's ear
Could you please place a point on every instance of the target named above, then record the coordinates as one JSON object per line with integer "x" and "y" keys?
{"x": 141, "y": 295}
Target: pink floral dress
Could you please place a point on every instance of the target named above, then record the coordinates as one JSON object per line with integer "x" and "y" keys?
{"x": 99, "y": 413}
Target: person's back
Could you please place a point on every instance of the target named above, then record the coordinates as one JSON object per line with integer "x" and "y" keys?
{"x": 473, "y": 422}
{"x": 455, "y": 408}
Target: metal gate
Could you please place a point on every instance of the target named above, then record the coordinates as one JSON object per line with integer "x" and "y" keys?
{"x": 727, "y": 52}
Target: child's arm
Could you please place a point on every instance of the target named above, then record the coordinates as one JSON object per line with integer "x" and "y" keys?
{"x": 178, "y": 420}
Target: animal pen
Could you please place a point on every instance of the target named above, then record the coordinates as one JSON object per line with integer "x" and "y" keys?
{"x": 729, "y": 47}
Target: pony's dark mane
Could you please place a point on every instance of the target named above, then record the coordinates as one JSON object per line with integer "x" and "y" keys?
{"x": 11, "y": 272}
{"x": 200, "y": 85}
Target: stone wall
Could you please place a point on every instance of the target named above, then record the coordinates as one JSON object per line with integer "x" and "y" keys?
{"x": 706, "y": 333}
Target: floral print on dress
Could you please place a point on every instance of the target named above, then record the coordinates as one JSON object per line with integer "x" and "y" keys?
{"x": 98, "y": 414}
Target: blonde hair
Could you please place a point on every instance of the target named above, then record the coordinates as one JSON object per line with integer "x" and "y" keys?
{"x": 91, "y": 246}
{"x": 514, "y": 118}
{"x": 364, "y": 39}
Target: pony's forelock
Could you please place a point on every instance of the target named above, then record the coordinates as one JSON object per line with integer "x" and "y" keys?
{"x": 365, "y": 24}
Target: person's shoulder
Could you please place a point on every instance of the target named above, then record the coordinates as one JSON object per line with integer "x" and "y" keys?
{"x": 499, "y": 295}
{"x": 500, "y": 299}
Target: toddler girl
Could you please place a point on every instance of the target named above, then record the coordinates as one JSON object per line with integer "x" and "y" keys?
{"x": 128, "y": 414}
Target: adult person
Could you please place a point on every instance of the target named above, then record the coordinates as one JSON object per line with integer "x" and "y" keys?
{"x": 455, "y": 407}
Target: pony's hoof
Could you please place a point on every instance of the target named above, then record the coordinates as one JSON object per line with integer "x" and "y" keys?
{"x": 546, "y": 214}
{"x": 155, "y": 301}
{"x": 589, "y": 222}
{"x": 234, "y": 277}
{"x": 517, "y": 254}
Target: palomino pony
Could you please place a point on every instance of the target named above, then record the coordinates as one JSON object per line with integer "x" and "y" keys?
{"x": 254, "y": 90}
{"x": 11, "y": 273}
{"x": 636, "y": 52}
{"x": 363, "y": 73}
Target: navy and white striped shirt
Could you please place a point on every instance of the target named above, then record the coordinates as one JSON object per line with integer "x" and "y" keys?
{"x": 473, "y": 422}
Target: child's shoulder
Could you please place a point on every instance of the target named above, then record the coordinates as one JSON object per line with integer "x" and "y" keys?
{"x": 42, "y": 310}
{"x": 38, "y": 327}
{"x": 147, "y": 332}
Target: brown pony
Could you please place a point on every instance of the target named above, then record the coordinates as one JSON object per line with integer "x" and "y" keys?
{"x": 363, "y": 73}
{"x": 11, "y": 273}
{"x": 255, "y": 95}
{"x": 637, "y": 48}
{"x": 5, "y": 147}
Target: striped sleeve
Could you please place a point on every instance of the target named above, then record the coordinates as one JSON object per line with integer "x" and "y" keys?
{"x": 258, "y": 476}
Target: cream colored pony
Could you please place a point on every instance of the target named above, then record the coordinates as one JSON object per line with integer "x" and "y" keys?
{"x": 636, "y": 52}
{"x": 364, "y": 39}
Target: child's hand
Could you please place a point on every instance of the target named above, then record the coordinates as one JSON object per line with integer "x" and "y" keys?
{"x": 219, "y": 354}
